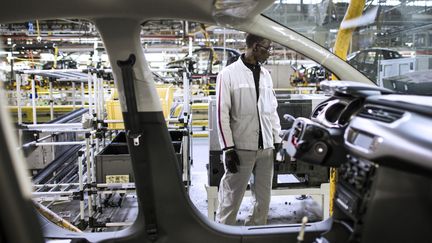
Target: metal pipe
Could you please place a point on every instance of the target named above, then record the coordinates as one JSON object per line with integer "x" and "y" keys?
{"x": 185, "y": 94}
{"x": 33, "y": 90}
{"x": 102, "y": 104}
{"x": 69, "y": 118}
{"x": 172, "y": 120}
{"x": 71, "y": 79}
{"x": 18, "y": 96}
{"x": 50, "y": 204}
{"x": 95, "y": 151}
{"x": 116, "y": 191}
{"x": 38, "y": 140}
{"x": 92, "y": 176}
{"x": 60, "y": 143}
{"x": 55, "y": 189}
{"x": 101, "y": 99}
{"x": 89, "y": 90}
{"x": 57, "y": 193}
{"x": 96, "y": 95}
{"x": 36, "y": 71}
{"x": 46, "y": 173}
{"x": 87, "y": 154}
{"x": 53, "y": 125}
{"x": 64, "y": 130}
{"x": 82, "y": 95}
{"x": 53, "y": 199}
{"x": 53, "y": 151}
{"x": 185, "y": 149}
{"x": 67, "y": 174}
{"x": 71, "y": 175}
{"x": 114, "y": 121}
{"x": 50, "y": 185}
{"x": 51, "y": 101}
{"x": 73, "y": 96}
{"x": 11, "y": 58}
{"x": 190, "y": 46}
{"x": 118, "y": 224}
{"x": 81, "y": 185}
{"x": 51, "y": 216}
{"x": 116, "y": 185}
{"x": 174, "y": 70}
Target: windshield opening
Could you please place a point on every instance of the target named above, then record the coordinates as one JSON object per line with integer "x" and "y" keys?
{"x": 389, "y": 43}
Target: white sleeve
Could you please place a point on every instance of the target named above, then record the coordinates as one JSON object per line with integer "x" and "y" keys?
{"x": 275, "y": 122}
{"x": 223, "y": 108}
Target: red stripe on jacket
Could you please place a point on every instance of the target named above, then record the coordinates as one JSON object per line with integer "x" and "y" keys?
{"x": 219, "y": 115}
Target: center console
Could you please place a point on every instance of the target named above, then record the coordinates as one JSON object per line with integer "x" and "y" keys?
{"x": 355, "y": 180}
{"x": 380, "y": 144}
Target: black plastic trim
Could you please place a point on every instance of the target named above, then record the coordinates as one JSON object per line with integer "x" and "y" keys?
{"x": 420, "y": 109}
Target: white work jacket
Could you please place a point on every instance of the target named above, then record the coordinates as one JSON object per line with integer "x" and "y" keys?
{"x": 238, "y": 110}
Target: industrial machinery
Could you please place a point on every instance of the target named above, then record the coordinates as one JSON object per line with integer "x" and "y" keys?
{"x": 113, "y": 163}
{"x": 296, "y": 106}
{"x": 38, "y": 157}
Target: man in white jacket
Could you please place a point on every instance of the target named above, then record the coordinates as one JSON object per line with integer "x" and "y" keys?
{"x": 248, "y": 128}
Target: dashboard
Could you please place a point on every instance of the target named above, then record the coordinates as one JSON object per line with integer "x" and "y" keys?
{"x": 394, "y": 132}
{"x": 381, "y": 145}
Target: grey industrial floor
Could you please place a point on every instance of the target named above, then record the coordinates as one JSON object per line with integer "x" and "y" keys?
{"x": 283, "y": 209}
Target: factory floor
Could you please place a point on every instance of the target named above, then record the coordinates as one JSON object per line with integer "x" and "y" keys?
{"x": 284, "y": 209}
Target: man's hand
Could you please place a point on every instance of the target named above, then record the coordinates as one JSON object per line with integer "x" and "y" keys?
{"x": 231, "y": 160}
{"x": 279, "y": 154}
{"x": 277, "y": 147}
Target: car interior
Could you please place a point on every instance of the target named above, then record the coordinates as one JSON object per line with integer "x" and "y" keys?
{"x": 379, "y": 141}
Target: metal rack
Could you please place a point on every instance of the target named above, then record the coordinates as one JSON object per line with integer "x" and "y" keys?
{"x": 91, "y": 134}
{"x": 88, "y": 146}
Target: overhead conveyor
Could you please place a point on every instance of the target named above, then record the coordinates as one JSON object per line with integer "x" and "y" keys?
{"x": 77, "y": 75}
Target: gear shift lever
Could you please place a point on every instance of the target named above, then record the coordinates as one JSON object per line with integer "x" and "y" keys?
{"x": 300, "y": 236}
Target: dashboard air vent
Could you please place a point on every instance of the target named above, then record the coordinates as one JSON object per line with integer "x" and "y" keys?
{"x": 380, "y": 114}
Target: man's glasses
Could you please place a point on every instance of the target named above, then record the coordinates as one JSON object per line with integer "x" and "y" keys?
{"x": 268, "y": 49}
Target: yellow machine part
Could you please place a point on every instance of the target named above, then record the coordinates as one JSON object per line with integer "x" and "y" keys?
{"x": 114, "y": 94}
{"x": 199, "y": 135}
{"x": 114, "y": 113}
{"x": 343, "y": 39}
{"x": 177, "y": 111}
{"x": 199, "y": 118}
{"x": 166, "y": 95}
{"x": 200, "y": 114}
{"x": 199, "y": 106}
{"x": 344, "y": 36}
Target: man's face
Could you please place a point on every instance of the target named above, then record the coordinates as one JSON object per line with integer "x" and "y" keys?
{"x": 263, "y": 50}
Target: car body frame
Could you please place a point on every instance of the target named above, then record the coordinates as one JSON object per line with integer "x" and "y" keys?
{"x": 166, "y": 213}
